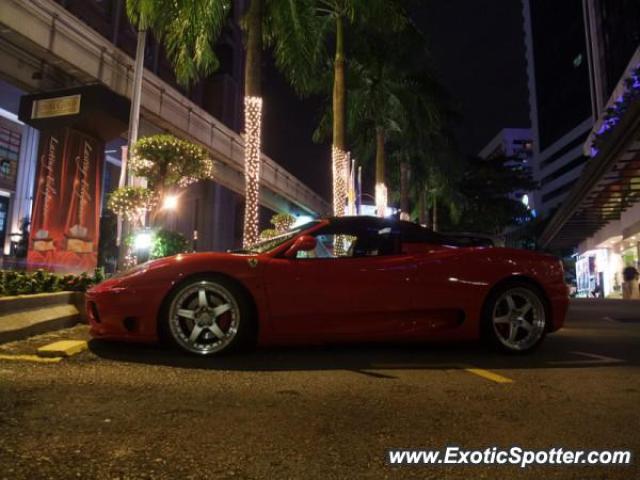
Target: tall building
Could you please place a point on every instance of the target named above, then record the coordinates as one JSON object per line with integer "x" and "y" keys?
{"x": 599, "y": 219}
{"x": 515, "y": 144}
{"x": 510, "y": 142}
{"x": 559, "y": 96}
{"x": 69, "y": 63}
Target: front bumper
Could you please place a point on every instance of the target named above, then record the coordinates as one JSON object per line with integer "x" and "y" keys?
{"x": 126, "y": 313}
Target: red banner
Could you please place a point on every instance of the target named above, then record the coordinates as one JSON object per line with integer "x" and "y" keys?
{"x": 65, "y": 223}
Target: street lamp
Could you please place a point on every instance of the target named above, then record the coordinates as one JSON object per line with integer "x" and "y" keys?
{"x": 142, "y": 241}
{"x": 170, "y": 202}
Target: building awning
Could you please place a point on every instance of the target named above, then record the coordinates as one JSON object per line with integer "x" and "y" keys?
{"x": 609, "y": 184}
{"x": 94, "y": 109}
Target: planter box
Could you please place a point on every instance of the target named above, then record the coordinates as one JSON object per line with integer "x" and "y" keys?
{"x": 22, "y": 316}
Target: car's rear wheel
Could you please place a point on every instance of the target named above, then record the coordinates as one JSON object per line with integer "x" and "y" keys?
{"x": 207, "y": 316}
{"x": 515, "y": 318}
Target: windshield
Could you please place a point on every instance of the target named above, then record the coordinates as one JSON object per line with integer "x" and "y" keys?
{"x": 274, "y": 242}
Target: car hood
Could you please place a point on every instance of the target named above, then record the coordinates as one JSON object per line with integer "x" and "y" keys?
{"x": 173, "y": 262}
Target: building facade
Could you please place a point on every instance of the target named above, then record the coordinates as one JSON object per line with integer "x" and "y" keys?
{"x": 559, "y": 96}
{"x": 49, "y": 46}
{"x": 515, "y": 144}
{"x": 600, "y": 217}
{"x": 510, "y": 142}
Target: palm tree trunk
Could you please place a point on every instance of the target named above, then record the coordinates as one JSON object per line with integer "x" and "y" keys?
{"x": 381, "y": 188}
{"x": 339, "y": 151}
{"x": 404, "y": 191}
{"x": 435, "y": 212}
{"x": 380, "y": 155}
{"x": 252, "y": 120}
{"x": 423, "y": 216}
{"x": 339, "y": 89}
{"x": 123, "y": 228}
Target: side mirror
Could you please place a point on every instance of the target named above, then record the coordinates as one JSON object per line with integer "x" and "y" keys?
{"x": 303, "y": 243}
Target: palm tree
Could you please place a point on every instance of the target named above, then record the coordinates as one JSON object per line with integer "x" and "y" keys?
{"x": 189, "y": 28}
{"x": 436, "y": 170}
{"x": 375, "y": 15}
{"x": 395, "y": 109}
{"x": 288, "y": 27}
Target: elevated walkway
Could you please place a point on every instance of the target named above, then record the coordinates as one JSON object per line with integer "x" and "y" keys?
{"x": 34, "y": 33}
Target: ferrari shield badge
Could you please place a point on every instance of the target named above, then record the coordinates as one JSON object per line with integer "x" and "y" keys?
{"x": 253, "y": 262}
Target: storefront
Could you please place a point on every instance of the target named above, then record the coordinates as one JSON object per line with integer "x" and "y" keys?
{"x": 600, "y": 218}
{"x": 603, "y": 256}
{"x": 599, "y": 273}
{"x": 75, "y": 126}
{"x": 18, "y": 146}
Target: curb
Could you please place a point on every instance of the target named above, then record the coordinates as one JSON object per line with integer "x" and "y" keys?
{"x": 26, "y": 315}
{"x": 62, "y": 348}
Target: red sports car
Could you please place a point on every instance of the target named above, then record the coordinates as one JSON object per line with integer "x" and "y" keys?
{"x": 343, "y": 279}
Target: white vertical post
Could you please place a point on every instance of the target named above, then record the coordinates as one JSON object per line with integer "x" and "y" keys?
{"x": 134, "y": 122}
{"x": 134, "y": 112}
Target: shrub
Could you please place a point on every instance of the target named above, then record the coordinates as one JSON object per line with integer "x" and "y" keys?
{"x": 164, "y": 243}
{"x": 167, "y": 243}
{"x": 41, "y": 281}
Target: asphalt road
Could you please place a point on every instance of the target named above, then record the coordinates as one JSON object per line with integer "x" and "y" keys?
{"x": 128, "y": 411}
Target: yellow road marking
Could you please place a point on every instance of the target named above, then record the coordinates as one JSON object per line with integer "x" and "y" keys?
{"x": 29, "y": 358}
{"x": 487, "y": 374}
{"x": 63, "y": 348}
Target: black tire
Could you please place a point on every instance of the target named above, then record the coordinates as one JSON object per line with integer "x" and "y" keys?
{"x": 173, "y": 328}
{"x": 494, "y": 333}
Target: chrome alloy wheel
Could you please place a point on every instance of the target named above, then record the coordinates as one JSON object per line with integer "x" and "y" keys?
{"x": 204, "y": 317}
{"x": 518, "y": 318}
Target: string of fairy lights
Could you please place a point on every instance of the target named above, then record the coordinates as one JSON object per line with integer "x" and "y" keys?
{"x": 340, "y": 165}
{"x": 283, "y": 222}
{"x": 340, "y": 162}
{"x": 163, "y": 161}
{"x": 189, "y": 162}
{"x": 381, "y": 199}
{"x": 253, "y": 122}
{"x": 133, "y": 203}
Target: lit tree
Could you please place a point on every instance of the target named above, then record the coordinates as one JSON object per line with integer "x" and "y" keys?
{"x": 372, "y": 15}
{"x": 189, "y": 28}
{"x": 395, "y": 108}
{"x": 281, "y": 223}
{"x": 166, "y": 163}
{"x": 132, "y": 203}
{"x": 289, "y": 28}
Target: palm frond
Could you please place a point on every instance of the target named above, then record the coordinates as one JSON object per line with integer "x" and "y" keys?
{"x": 296, "y": 33}
{"x": 187, "y": 28}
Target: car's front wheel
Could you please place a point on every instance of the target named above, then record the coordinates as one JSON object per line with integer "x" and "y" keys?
{"x": 208, "y": 315}
{"x": 515, "y": 318}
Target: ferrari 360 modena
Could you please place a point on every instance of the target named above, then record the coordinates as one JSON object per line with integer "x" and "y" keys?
{"x": 347, "y": 279}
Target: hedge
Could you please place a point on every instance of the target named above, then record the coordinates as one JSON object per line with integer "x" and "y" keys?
{"x": 40, "y": 281}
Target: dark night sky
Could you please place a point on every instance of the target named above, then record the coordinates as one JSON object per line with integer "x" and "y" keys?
{"x": 478, "y": 50}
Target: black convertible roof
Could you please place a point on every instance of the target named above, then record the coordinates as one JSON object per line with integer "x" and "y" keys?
{"x": 411, "y": 232}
